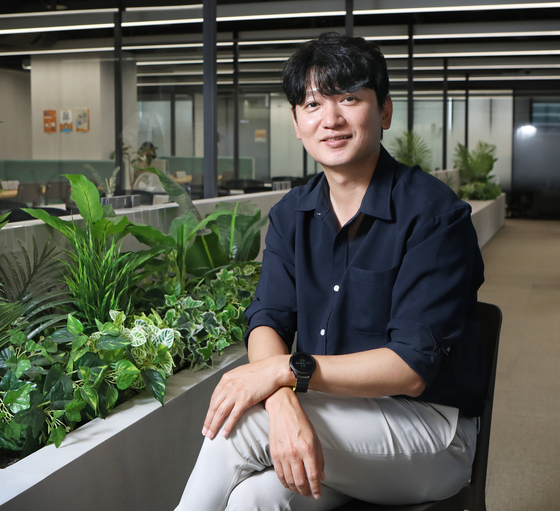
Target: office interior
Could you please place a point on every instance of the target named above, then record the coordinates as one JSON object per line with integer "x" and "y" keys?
{"x": 201, "y": 83}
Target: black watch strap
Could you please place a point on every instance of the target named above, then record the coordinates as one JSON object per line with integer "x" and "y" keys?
{"x": 302, "y": 384}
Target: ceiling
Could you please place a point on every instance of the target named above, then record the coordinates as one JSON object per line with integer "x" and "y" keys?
{"x": 488, "y": 46}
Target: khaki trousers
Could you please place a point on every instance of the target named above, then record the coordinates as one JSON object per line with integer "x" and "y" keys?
{"x": 385, "y": 451}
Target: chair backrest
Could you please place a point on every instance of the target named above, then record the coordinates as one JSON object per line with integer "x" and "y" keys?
{"x": 57, "y": 190}
{"x": 491, "y": 323}
{"x": 30, "y": 192}
{"x": 473, "y": 495}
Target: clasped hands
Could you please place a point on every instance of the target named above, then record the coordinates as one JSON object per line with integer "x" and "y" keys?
{"x": 295, "y": 449}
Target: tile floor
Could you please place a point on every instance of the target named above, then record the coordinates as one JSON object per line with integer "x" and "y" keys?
{"x": 523, "y": 279}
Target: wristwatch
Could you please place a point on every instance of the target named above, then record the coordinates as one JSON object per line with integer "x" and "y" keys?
{"x": 303, "y": 365}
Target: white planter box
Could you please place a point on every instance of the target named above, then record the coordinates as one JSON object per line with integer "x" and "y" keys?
{"x": 488, "y": 217}
{"x": 139, "y": 458}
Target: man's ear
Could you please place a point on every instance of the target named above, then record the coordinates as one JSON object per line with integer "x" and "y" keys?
{"x": 296, "y": 127}
{"x": 387, "y": 113}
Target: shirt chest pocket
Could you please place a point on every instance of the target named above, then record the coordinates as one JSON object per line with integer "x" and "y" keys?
{"x": 368, "y": 303}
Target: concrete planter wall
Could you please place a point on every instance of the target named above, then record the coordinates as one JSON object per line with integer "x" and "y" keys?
{"x": 140, "y": 457}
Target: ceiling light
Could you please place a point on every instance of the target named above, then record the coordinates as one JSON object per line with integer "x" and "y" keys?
{"x": 513, "y": 53}
{"x": 55, "y": 52}
{"x": 179, "y": 62}
{"x": 57, "y": 13}
{"x": 63, "y": 28}
{"x": 255, "y": 17}
{"x": 487, "y": 34}
{"x": 459, "y": 8}
{"x": 128, "y": 24}
{"x": 164, "y": 8}
{"x": 525, "y": 132}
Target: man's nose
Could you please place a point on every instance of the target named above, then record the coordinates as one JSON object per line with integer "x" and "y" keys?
{"x": 332, "y": 116}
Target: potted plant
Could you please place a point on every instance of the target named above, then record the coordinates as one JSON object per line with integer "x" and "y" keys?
{"x": 411, "y": 150}
{"x": 475, "y": 168}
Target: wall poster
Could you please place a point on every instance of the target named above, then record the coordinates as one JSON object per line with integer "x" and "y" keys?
{"x": 49, "y": 121}
{"x": 66, "y": 123}
{"x": 82, "y": 120}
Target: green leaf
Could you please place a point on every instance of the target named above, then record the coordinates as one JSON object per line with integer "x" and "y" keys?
{"x": 78, "y": 342}
{"x": 10, "y": 382}
{"x": 155, "y": 382}
{"x": 86, "y": 197}
{"x": 221, "y": 301}
{"x": 189, "y": 303}
{"x": 111, "y": 397}
{"x": 68, "y": 229}
{"x": 34, "y": 416}
{"x": 54, "y": 375}
{"x": 126, "y": 373}
{"x": 58, "y": 434}
{"x": 90, "y": 396}
{"x": 104, "y": 227}
{"x": 75, "y": 326}
{"x": 18, "y": 338}
{"x": 18, "y": 400}
{"x": 109, "y": 342}
{"x": 24, "y": 364}
{"x": 151, "y": 236}
{"x": 74, "y": 407}
{"x": 61, "y": 336}
{"x": 165, "y": 337}
{"x": 207, "y": 351}
{"x": 61, "y": 393}
{"x": 5, "y": 441}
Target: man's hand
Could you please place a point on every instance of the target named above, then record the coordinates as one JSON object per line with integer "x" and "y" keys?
{"x": 295, "y": 449}
{"x": 242, "y": 388}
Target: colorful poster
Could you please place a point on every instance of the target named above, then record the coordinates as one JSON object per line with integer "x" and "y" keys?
{"x": 260, "y": 135}
{"x": 49, "y": 121}
{"x": 82, "y": 120}
{"x": 66, "y": 123}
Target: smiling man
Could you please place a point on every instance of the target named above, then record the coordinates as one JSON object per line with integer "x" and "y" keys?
{"x": 375, "y": 266}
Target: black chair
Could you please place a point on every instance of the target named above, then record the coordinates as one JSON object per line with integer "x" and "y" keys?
{"x": 241, "y": 184}
{"x": 58, "y": 190}
{"x": 257, "y": 189}
{"x": 472, "y": 496}
{"x": 30, "y": 192}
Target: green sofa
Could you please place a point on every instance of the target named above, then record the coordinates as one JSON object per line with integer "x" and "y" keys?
{"x": 43, "y": 171}
{"x": 192, "y": 165}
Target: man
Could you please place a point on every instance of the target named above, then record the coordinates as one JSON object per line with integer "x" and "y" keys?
{"x": 376, "y": 266}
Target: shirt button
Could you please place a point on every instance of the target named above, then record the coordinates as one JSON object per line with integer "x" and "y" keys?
{"x": 323, "y": 331}
{"x": 336, "y": 288}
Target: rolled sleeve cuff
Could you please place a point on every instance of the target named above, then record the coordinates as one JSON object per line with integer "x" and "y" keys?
{"x": 415, "y": 344}
{"x": 273, "y": 318}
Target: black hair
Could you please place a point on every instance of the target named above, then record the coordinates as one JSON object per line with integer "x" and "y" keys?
{"x": 335, "y": 64}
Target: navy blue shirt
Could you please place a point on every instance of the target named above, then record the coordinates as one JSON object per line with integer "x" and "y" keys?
{"x": 402, "y": 274}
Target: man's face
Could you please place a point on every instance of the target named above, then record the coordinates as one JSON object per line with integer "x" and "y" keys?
{"x": 343, "y": 131}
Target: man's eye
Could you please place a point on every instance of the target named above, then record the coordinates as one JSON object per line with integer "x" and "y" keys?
{"x": 349, "y": 99}
{"x": 312, "y": 104}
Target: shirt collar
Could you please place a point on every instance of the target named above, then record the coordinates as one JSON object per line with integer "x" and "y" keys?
{"x": 376, "y": 201}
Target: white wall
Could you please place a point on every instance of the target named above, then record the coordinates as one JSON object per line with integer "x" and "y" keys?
{"x": 15, "y": 114}
{"x": 70, "y": 82}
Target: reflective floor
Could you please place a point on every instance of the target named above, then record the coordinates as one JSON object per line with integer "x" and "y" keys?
{"x": 523, "y": 278}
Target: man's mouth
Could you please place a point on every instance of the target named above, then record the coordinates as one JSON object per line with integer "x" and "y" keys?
{"x": 341, "y": 137}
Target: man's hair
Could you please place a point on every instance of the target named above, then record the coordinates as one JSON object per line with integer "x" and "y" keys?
{"x": 335, "y": 64}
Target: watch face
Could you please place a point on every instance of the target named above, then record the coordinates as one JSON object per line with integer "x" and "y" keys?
{"x": 302, "y": 364}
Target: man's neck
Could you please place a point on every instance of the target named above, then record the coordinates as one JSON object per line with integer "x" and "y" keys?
{"x": 347, "y": 189}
